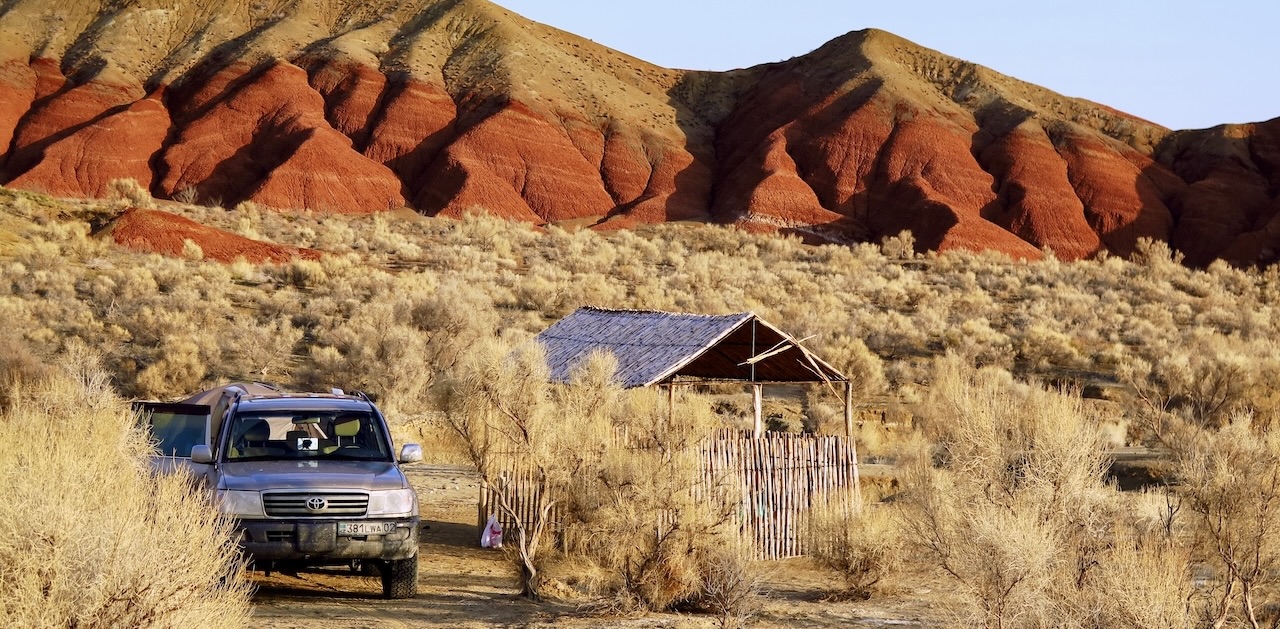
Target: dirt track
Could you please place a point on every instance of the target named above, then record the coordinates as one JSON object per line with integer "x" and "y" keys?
{"x": 463, "y": 585}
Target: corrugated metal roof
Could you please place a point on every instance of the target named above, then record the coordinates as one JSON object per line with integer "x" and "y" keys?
{"x": 653, "y": 347}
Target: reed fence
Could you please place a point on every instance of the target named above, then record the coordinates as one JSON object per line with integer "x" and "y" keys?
{"x": 777, "y": 480}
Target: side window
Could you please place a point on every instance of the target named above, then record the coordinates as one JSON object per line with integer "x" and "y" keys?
{"x": 176, "y": 428}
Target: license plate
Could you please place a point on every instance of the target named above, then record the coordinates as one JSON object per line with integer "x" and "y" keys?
{"x": 357, "y": 529}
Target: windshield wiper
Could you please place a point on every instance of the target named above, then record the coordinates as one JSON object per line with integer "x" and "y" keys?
{"x": 344, "y": 456}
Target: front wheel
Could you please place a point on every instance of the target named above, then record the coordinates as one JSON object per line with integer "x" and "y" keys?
{"x": 400, "y": 578}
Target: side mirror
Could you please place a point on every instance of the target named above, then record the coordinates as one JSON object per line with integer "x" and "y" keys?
{"x": 204, "y": 454}
{"x": 410, "y": 453}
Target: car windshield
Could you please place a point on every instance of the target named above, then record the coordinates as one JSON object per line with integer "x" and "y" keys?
{"x": 299, "y": 435}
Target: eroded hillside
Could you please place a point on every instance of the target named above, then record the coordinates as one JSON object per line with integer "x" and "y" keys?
{"x": 445, "y": 106}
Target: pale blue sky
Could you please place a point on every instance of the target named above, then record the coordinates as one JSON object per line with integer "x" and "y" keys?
{"x": 1180, "y": 63}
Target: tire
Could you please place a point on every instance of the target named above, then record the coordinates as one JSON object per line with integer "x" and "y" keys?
{"x": 400, "y": 578}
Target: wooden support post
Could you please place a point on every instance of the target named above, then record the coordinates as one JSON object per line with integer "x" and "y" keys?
{"x": 848, "y": 409}
{"x": 853, "y": 445}
{"x": 671, "y": 402}
{"x": 757, "y": 398}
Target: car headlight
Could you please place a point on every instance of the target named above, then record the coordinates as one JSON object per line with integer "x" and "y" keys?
{"x": 241, "y": 504}
{"x": 393, "y": 502}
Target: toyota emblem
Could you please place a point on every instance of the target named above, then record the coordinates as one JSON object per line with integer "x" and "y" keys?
{"x": 316, "y": 503}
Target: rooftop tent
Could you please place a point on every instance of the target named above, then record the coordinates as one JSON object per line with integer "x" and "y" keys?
{"x": 665, "y": 348}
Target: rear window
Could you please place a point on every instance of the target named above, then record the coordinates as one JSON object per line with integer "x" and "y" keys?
{"x": 301, "y": 435}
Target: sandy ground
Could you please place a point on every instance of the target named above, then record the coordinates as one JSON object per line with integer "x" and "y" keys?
{"x": 463, "y": 585}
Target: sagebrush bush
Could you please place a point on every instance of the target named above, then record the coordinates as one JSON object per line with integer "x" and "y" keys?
{"x": 732, "y": 584}
{"x": 99, "y": 540}
{"x": 643, "y": 515}
{"x": 1230, "y": 484}
{"x": 1145, "y": 580}
{"x": 1010, "y": 504}
{"x": 131, "y": 193}
{"x": 507, "y": 416}
{"x": 866, "y": 549}
{"x": 614, "y": 473}
{"x": 20, "y": 369}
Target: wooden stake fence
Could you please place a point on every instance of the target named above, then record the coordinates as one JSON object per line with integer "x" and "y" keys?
{"x": 779, "y": 477}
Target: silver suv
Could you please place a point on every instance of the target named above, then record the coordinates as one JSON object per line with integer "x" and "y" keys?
{"x": 309, "y": 477}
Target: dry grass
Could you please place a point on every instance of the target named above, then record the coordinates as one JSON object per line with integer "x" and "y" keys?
{"x": 96, "y": 540}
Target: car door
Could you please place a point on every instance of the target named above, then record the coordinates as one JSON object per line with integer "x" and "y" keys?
{"x": 175, "y": 429}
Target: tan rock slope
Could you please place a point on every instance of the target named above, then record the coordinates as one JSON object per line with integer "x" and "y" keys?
{"x": 446, "y": 106}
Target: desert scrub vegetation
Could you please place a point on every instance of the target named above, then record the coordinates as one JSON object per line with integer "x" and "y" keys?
{"x": 509, "y": 419}
{"x": 867, "y": 549}
{"x": 99, "y": 540}
{"x": 614, "y": 474}
{"x": 1006, "y": 499}
{"x": 879, "y": 315}
{"x": 396, "y": 299}
{"x": 403, "y": 306}
{"x": 1227, "y": 473}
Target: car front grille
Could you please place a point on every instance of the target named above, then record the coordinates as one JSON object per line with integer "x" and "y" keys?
{"x": 302, "y": 505}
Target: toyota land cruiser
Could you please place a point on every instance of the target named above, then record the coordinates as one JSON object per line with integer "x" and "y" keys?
{"x": 309, "y": 477}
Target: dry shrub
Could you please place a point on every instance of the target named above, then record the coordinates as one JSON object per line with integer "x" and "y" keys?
{"x": 399, "y": 345}
{"x": 19, "y": 369}
{"x": 508, "y": 417}
{"x": 130, "y": 193}
{"x": 1143, "y": 582}
{"x": 1011, "y": 505}
{"x": 303, "y": 273}
{"x": 617, "y": 469}
{"x": 191, "y": 250}
{"x": 1210, "y": 380}
{"x": 851, "y": 356}
{"x": 97, "y": 540}
{"x": 866, "y": 548}
{"x": 1230, "y": 483}
{"x": 179, "y": 368}
{"x": 641, "y": 514}
{"x": 188, "y": 195}
{"x": 900, "y": 247}
{"x": 258, "y": 350}
{"x": 732, "y": 584}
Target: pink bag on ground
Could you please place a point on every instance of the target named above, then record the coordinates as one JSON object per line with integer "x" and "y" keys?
{"x": 491, "y": 536}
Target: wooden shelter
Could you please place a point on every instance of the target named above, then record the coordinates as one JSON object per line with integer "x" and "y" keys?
{"x": 781, "y": 476}
{"x": 678, "y": 349}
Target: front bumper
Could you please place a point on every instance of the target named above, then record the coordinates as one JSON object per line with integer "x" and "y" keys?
{"x": 318, "y": 542}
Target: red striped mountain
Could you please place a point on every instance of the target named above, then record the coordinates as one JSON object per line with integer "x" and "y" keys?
{"x": 446, "y": 106}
